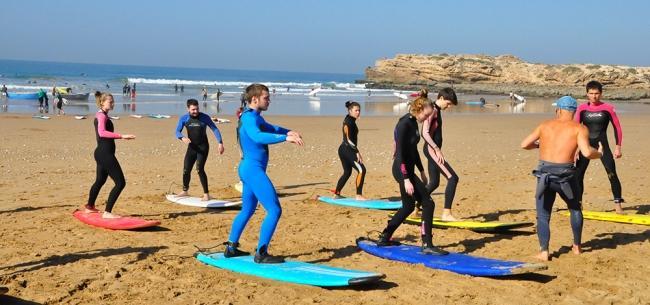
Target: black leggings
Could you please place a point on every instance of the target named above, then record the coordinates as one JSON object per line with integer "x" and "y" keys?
{"x": 408, "y": 205}
{"x": 610, "y": 167}
{"x": 544, "y": 205}
{"x": 107, "y": 165}
{"x": 434, "y": 179}
{"x": 198, "y": 154}
{"x": 349, "y": 161}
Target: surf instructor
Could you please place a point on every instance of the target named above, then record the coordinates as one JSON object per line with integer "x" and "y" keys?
{"x": 107, "y": 164}
{"x": 198, "y": 147}
{"x": 255, "y": 135}
{"x": 557, "y": 141}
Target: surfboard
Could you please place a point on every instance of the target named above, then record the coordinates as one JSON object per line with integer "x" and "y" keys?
{"x": 239, "y": 186}
{"x": 122, "y": 223}
{"x": 638, "y": 219}
{"x": 401, "y": 95}
{"x": 114, "y": 117}
{"x": 197, "y": 202}
{"x": 313, "y": 92}
{"x": 291, "y": 271}
{"x": 159, "y": 116}
{"x": 79, "y": 117}
{"x": 376, "y": 204}
{"x": 219, "y": 120}
{"x": 454, "y": 262}
{"x": 137, "y": 116}
{"x": 40, "y": 117}
{"x": 474, "y": 103}
{"x": 478, "y": 226}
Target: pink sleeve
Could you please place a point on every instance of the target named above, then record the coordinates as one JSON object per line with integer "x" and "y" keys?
{"x": 426, "y": 128}
{"x": 101, "y": 127}
{"x": 576, "y": 116}
{"x": 618, "y": 132}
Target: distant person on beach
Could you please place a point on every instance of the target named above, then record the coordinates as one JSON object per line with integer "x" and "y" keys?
{"x": 128, "y": 90}
{"x": 182, "y": 88}
{"x": 255, "y": 135}
{"x": 218, "y": 94}
{"x": 517, "y": 98}
{"x": 349, "y": 151}
{"x": 124, "y": 89}
{"x": 176, "y": 88}
{"x": 59, "y": 104}
{"x": 41, "y": 93}
{"x": 198, "y": 147}
{"x": 3, "y": 91}
{"x": 557, "y": 140}
{"x": 432, "y": 135}
{"x": 412, "y": 188}
{"x": 107, "y": 164}
{"x": 204, "y": 93}
{"x": 596, "y": 115}
{"x": 133, "y": 92}
{"x": 108, "y": 86}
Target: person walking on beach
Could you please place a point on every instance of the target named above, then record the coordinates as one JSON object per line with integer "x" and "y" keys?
{"x": 349, "y": 152}
{"x": 3, "y": 90}
{"x": 255, "y": 135}
{"x": 182, "y": 88}
{"x": 198, "y": 147}
{"x": 557, "y": 141}
{"x": 204, "y": 93}
{"x": 176, "y": 88}
{"x": 412, "y": 188}
{"x": 41, "y": 93}
{"x": 59, "y": 104}
{"x": 107, "y": 164}
{"x": 596, "y": 116}
{"x": 432, "y": 135}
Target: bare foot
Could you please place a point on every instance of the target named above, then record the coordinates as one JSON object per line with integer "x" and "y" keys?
{"x": 576, "y": 249}
{"x": 618, "y": 208}
{"x": 206, "y": 197}
{"x": 446, "y": 216}
{"x": 542, "y": 256}
{"x": 360, "y": 197}
{"x": 89, "y": 209}
{"x": 109, "y": 215}
{"x": 182, "y": 194}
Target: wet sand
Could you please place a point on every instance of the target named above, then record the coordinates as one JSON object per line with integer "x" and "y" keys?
{"x": 48, "y": 257}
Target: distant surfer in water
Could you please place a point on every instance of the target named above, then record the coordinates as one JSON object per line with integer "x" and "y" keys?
{"x": 255, "y": 135}
{"x": 198, "y": 147}
{"x": 107, "y": 164}
{"x": 349, "y": 151}
{"x": 557, "y": 141}
{"x": 412, "y": 188}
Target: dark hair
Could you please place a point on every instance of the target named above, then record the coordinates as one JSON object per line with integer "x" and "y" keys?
{"x": 192, "y": 102}
{"x": 594, "y": 84}
{"x": 254, "y": 90}
{"x": 351, "y": 104}
{"x": 448, "y": 94}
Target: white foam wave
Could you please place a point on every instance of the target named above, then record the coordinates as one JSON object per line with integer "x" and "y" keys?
{"x": 239, "y": 84}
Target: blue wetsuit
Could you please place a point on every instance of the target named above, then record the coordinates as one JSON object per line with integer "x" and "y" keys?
{"x": 198, "y": 149}
{"x": 255, "y": 134}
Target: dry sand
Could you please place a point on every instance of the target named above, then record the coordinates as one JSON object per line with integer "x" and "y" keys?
{"x": 48, "y": 257}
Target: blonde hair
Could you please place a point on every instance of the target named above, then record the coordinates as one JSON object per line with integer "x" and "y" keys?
{"x": 100, "y": 97}
{"x": 421, "y": 102}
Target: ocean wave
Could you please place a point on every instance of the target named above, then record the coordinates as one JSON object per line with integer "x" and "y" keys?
{"x": 240, "y": 84}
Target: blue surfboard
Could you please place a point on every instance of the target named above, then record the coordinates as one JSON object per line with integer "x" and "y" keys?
{"x": 454, "y": 262}
{"x": 474, "y": 103}
{"x": 291, "y": 271}
{"x": 365, "y": 204}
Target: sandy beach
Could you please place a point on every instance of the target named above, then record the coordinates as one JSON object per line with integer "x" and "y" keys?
{"x": 49, "y": 257}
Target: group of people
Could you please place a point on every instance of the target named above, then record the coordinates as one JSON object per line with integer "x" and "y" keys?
{"x": 558, "y": 141}
{"x": 176, "y": 87}
{"x": 129, "y": 91}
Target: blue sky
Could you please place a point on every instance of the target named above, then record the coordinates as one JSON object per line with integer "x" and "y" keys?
{"x": 321, "y": 36}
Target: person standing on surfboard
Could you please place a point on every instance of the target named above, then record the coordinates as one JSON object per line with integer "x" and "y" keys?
{"x": 107, "y": 164}
{"x": 255, "y": 135}
{"x": 198, "y": 147}
{"x": 412, "y": 188}
{"x": 557, "y": 141}
{"x": 432, "y": 135}
{"x": 597, "y": 115}
{"x": 349, "y": 152}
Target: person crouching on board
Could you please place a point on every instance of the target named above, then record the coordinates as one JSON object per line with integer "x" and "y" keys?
{"x": 107, "y": 164}
{"x": 255, "y": 135}
{"x": 198, "y": 147}
{"x": 557, "y": 141}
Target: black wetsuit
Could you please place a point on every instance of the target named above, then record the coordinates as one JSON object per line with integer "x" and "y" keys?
{"x": 348, "y": 154}
{"x": 406, "y": 158}
{"x": 107, "y": 164}
{"x": 597, "y": 119}
{"x": 198, "y": 149}
{"x": 435, "y": 132}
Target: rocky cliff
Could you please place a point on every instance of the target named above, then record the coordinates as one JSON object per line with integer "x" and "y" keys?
{"x": 504, "y": 73}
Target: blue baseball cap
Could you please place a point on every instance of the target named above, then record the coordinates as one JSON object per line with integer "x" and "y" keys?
{"x": 567, "y": 103}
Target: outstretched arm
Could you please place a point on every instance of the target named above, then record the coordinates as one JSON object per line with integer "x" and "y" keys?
{"x": 101, "y": 127}
{"x": 275, "y": 128}
{"x": 253, "y": 130}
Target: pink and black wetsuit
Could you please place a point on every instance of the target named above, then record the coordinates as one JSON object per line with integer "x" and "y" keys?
{"x": 107, "y": 164}
{"x": 596, "y": 118}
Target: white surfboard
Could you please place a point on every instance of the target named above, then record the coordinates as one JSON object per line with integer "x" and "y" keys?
{"x": 197, "y": 202}
{"x": 137, "y": 116}
{"x": 79, "y": 117}
{"x": 313, "y": 92}
{"x": 401, "y": 95}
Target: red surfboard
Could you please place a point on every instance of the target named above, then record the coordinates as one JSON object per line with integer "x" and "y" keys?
{"x": 122, "y": 223}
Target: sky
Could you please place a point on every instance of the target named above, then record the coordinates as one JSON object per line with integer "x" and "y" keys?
{"x": 320, "y": 36}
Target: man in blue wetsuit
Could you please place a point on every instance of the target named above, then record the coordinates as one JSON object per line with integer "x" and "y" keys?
{"x": 196, "y": 123}
{"x": 255, "y": 135}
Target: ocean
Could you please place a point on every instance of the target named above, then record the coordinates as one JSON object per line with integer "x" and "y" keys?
{"x": 157, "y": 93}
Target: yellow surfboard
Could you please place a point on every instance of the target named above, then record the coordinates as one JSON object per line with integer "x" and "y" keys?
{"x": 638, "y": 219}
{"x": 478, "y": 226}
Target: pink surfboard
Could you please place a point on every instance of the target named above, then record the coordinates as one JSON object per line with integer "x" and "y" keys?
{"x": 122, "y": 223}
